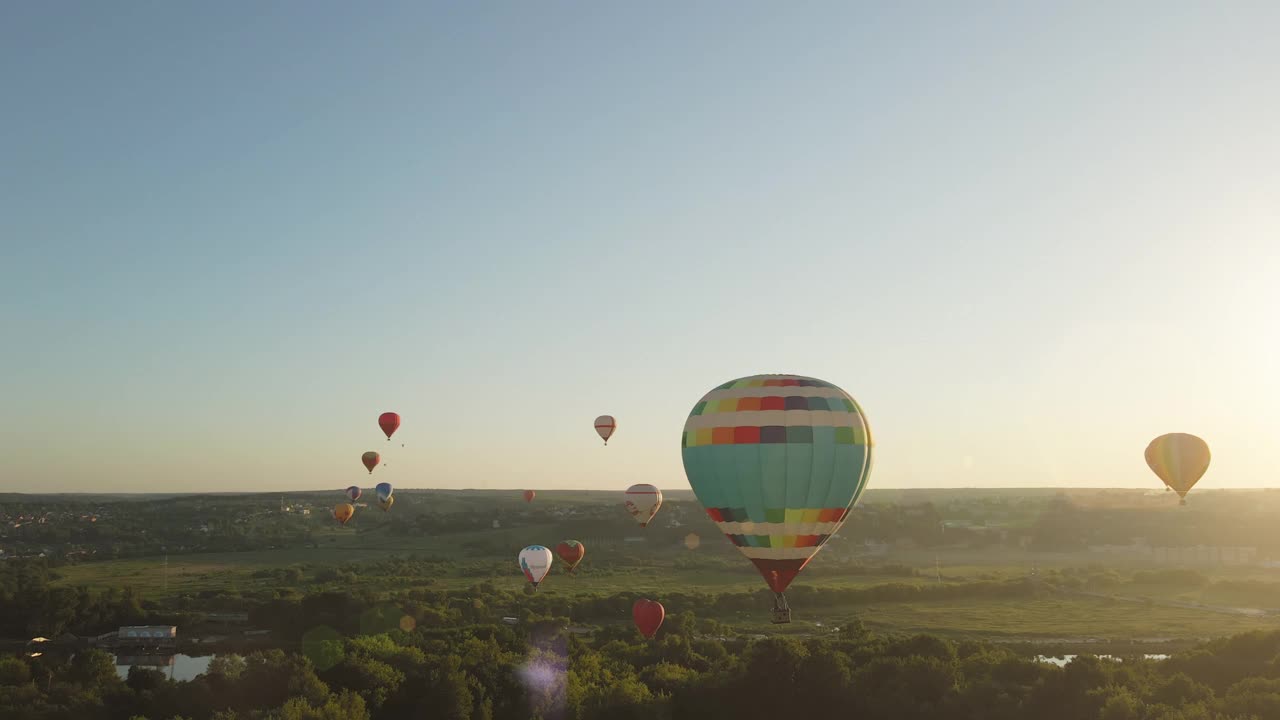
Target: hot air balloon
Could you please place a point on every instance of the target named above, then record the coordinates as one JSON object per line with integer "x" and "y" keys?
{"x": 777, "y": 462}
{"x": 389, "y": 422}
{"x": 571, "y": 553}
{"x": 342, "y": 512}
{"x": 353, "y": 492}
{"x": 535, "y": 563}
{"x": 605, "y": 425}
{"x": 529, "y": 495}
{"x": 370, "y": 460}
{"x": 386, "y": 504}
{"x": 643, "y": 501}
{"x": 383, "y": 491}
{"x": 1180, "y": 460}
{"x": 648, "y": 615}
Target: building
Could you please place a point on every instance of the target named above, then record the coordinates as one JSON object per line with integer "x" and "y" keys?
{"x": 147, "y": 635}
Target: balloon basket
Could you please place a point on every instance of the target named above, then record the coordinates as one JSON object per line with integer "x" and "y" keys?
{"x": 781, "y": 611}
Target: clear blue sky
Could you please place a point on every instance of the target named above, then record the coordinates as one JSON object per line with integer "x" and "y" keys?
{"x": 1027, "y": 237}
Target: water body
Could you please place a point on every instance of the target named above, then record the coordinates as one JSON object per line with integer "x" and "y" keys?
{"x": 177, "y": 667}
{"x": 1064, "y": 659}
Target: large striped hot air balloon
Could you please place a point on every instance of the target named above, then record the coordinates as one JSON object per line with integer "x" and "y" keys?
{"x": 777, "y": 461}
{"x": 1180, "y": 460}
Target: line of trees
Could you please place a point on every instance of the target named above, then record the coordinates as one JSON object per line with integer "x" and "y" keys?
{"x": 500, "y": 673}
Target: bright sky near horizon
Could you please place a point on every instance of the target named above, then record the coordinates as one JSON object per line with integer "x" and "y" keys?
{"x": 1027, "y": 237}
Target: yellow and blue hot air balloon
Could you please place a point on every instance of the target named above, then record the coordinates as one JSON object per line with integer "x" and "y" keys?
{"x": 1180, "y": 460}
{"x": 777, "y": 461}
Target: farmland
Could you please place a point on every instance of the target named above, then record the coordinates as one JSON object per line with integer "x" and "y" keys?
{"x": 979, "y": 564}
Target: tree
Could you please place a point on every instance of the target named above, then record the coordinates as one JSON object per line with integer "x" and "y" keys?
{"x": 1255, "y": 696}
{"x": 1122, "y": 705}
{"x": 227, "y": 665}
{"x": 94, "y": 669}
{"x": 1179, "y": 690}
{"x": 144, "y": 679}
{"x": 14, "y": 671}
{"x": 346, "y": 706}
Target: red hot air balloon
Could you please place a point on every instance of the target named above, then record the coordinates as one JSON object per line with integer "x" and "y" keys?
{"x": 529, "y": 495}
{"x": 648, "y": 615}
{"x": 571, "y": 552}
{"x": 389, "y": 422}
{"x": 370, "y": 460}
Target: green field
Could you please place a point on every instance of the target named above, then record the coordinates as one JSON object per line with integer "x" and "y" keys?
{"x": 1010, "y": 565}
{"x": 1062, "y": 617}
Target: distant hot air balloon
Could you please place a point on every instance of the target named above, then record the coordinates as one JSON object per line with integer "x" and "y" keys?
{"x": 535, "y": 563}
{"x": 648, "y": 615}
{"x": 1180, "y": 460}
{"x": 529, "y": 495}
{"x": 605, "y": 425}
{"x": 353, "y": 492}
{"x": 386, "y": 504}
{"x": 342, "y": 512}
{"x": 777, "y": 461}
{"x": 370, "y": 460}
{"x": 389, "y": 422}
{"x": 383, "y": 491}
{"x": 571, "y": 553}
{"x": 643, "y": 501}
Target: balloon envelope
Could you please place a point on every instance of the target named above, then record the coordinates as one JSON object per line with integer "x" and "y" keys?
{"x": 386, "y": 504}
{"x": 648, "y": 615}
{"x": 1179, "y": 459}
{"x": 389, "y": 422}
{"x": 354, "y": 493}
{"x": 643, "y": 501}
{"x": 777, "y": 462}
{"x": 383, "y": 490}
{"x": 529, "y": 495}
{"x": 535, "y": 563}
{"x": 571, "y": 553}
{"x": 370, "y": 460}
{"x": 605, "y": 426}
{"x": 342, "y": 512}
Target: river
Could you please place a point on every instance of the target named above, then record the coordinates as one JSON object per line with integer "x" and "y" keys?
{"x": 177, "y": 667}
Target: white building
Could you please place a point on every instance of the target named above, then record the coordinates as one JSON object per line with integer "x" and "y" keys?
{"x": 148, "y": 633}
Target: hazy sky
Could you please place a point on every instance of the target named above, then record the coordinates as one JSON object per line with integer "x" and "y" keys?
{"x": 1027, "y": 237}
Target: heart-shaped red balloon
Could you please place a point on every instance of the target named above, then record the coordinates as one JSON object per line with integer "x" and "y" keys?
{"x": 571, "y": 552}
{"x": 648, "y": 615}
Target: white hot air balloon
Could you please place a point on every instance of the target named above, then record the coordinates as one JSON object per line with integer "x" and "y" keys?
{"x": 605, "y": 425}
{"x": 643, "y": 501}
{"x": 535, "y": 563}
